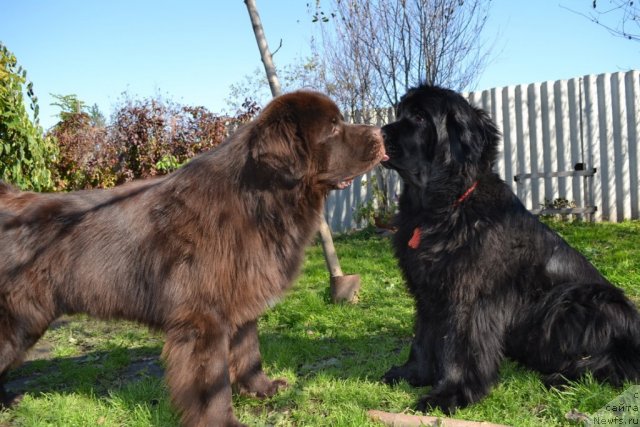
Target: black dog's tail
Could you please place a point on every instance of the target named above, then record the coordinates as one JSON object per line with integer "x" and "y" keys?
{"x": 625, "y": 346}
{"x": 583, "y": 327}
{"x": 611, "y": 333}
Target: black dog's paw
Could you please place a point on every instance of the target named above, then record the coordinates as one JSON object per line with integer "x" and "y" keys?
{"x": 399, "y": 373}
{"x": 395, "y": 375}
{"x": 448, "y": 401}
{"x": 555, "y": 380}
{"x": 8, "y": 399}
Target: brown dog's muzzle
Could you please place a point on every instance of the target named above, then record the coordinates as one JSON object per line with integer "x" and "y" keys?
{"x": 361, "y": 150}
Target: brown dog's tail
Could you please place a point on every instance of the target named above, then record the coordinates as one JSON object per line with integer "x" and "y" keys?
{"x": 6, "y": 192}
{"x": 6, "y": 188}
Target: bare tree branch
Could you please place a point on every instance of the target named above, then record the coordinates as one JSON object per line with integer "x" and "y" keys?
{"x": 374, "y": 51}
{"x": 620, "y": 17}
{"x": 277, "y": 49}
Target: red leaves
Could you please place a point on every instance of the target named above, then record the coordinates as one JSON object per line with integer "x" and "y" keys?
{"x": 145, "y": 138}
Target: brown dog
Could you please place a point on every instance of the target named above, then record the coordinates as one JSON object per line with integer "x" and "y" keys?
{"x": 199, "y": 253}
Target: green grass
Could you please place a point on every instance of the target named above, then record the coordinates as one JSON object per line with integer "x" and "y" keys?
{"x": 107, "y": 374}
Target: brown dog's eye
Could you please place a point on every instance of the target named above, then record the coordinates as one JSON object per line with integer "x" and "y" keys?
{"x": 334, "y": 125}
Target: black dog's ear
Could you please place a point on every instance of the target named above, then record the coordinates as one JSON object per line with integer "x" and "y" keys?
{"x": 491, "y": 137}
{"x": 473, "y": 137}
{"x": 462, "y": 143}
{"x": 275, "y": 152}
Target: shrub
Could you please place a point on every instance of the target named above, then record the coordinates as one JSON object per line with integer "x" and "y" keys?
{"x": 85, "y": 159}
{"x": 25, "y": 154}
{"x": 146, "y": 138}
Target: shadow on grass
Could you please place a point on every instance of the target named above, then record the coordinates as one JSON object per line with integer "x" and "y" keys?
{"x": 100, "y": 372}
{"x": 133, "y": 377}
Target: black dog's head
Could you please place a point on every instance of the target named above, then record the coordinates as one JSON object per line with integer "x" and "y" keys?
{"x": 439, "y": 135}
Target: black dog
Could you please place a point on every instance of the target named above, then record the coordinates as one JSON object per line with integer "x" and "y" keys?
{"x": 490, "y": 280}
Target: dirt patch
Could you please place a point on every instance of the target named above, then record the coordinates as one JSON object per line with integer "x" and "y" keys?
{"x": 40, "y": 363}
{"x": 149, "y": 366}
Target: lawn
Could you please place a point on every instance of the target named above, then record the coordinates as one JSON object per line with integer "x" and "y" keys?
{"x": 87, "y": 373}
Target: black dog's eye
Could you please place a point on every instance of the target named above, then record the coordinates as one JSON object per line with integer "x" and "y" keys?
{"x": 418, "y": 116}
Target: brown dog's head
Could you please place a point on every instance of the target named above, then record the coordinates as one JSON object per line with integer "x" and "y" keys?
{"x": 301, "y": 137}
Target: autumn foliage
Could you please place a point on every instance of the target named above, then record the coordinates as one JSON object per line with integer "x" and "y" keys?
{"x": 145, "y": 138}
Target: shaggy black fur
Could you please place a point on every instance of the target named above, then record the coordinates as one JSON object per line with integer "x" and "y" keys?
{"x": 490, "y": 280}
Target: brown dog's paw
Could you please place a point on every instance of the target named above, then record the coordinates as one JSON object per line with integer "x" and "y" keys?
{"x": 262, "y": 387}
{"x": 272, "y": 388}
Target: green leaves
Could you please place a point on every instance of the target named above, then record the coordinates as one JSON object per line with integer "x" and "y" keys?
{"x": 25, "y": 154}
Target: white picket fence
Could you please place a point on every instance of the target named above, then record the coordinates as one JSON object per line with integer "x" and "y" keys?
{"x": 590, "y": 122}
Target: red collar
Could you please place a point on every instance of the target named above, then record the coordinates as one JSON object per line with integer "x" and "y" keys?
{"x": 466, "y": 194}
{"x": 414, "y": 242}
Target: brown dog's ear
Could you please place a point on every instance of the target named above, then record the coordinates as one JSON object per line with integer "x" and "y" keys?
{"x": 277, "y": 152}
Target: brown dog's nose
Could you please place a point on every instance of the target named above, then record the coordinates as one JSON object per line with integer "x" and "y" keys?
{"x": 379, "y": 136}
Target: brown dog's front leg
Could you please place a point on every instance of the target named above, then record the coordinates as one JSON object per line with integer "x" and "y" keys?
{"x": 197, "y": 354}
{"x": 246, "y": 365}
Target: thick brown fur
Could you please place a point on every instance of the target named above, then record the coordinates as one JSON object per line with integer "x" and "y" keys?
{"x": 198, "y": 254}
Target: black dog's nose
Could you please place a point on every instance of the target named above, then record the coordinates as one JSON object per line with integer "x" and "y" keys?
{"x": 383, "y": 131}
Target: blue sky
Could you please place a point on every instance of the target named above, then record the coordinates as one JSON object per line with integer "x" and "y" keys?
{"x": 191, "y": 51}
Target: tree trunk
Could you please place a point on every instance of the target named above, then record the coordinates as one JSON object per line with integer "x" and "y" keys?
{"x": 265, "y": 53}
{"x": 330, "y": 255}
